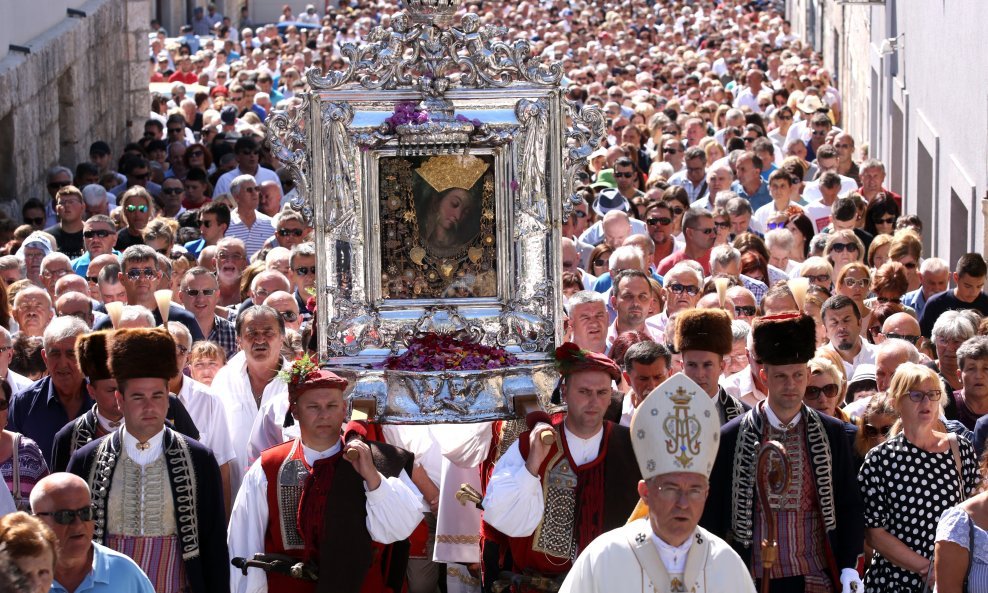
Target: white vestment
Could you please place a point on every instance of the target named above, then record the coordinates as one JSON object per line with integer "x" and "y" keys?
{"x": 209, "y": 415}
{"x": 628, "y": 559}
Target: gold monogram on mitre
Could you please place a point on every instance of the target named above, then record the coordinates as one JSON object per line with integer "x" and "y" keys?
{"x": 682, "y": 429}
{"x": 448, "y": 171}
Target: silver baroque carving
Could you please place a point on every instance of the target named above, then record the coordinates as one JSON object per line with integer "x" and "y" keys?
{"x": 287, "y": 136}
{"x": 585, "y": 133}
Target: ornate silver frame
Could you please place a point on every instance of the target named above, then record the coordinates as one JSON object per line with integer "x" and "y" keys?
{"x": 483, "y": 96}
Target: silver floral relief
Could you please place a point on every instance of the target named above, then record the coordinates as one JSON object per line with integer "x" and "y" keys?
{"x": 586, "y": 130}
{"x": 288, "y": 137}
{"x": 432, "y": 58}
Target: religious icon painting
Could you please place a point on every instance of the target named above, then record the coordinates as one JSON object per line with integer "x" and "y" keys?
{"x": 437, "y": 226}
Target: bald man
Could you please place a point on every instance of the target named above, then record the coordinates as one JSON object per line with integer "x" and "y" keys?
{"x": 64, "y": 503}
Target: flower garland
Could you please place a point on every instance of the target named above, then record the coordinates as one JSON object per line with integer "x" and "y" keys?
{"x": 439, "y": 352}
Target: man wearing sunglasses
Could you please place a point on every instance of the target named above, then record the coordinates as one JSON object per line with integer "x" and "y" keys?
{"x": 303, "y": 265}
{"x": 137, "y": 170}
{"x": 99, "y": 235}
{"x": 200, "y": 293}
{"x": 286, "y": 306}
{"x": 659, "y": 221}
{"x": 140, "y": 275}
{"x": 174, "y": 526}
{"x": 64, "y": 503}
{"x": 56, "y": 178}
{"x": 214, "y": 220}
{"x": 248, "y": 154}
{"x": 822, "y": 497}
{"x": 700, "y": 234}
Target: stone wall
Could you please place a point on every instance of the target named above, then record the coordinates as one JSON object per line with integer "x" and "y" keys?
{"x": 84, "y": 79}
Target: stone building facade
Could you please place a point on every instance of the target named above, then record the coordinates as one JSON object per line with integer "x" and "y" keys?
{"x": 71, "y": 72}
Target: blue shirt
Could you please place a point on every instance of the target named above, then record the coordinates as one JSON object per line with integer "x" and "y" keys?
{"x": 38, "y": 414}
{"x": 917, "y": 300}
{"x": 195, "y": 247}
{"x": 81, "y": 263}
{"x": 757, "y": 199}
{"x": 107, "y": 564}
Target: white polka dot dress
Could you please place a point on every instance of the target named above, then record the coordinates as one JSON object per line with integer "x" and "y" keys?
{"x": 905, "y": 491}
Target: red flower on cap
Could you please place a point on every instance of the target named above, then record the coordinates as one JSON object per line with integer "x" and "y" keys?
{"x": 304, "y": 374}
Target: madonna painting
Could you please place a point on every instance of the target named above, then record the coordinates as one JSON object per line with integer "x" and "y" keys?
{"x": 443, "y": 207}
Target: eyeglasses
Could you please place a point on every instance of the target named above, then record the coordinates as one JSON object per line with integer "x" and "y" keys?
{"x": 911, "y": 339}
{"x": 885, "y": 220}
{"x": 69, "y": 202}
{"x": 133, "y": 208}
{"x": 785, "y": 118}
{"x": 750, "y": 139}
{"x": 840, "y": 247}
{"x": 883, "y": 300}
{"x": 851, "y": 282}
{"x": 172, "y": 191}
{"x": 194, "y": 292}
{"x": 776, "y": 225}
{"x": 196, "y": 153}
{"x": 873, "y": 431}
{"x": 292, "y": 232}
{"x": 704, "y": 231}
{"x": 722, "y": 225}
{"x": 99, "y": 233}
{"x": 675, "y": 493}
{"x": 34, "y": 221}
{"x": 249, "y": 152}
{"x": 828, "y": 391}
{"x": 661, "y": 220}
{"x": 289, "y": 316}
{"x": 670, "y": 150}
{"x": 910, "y": 265}
{"x": 820, "y": 278}
{"x": 745, "y": 311}
{"x": 136, "y": 273}
{"x": 67, "y": 517}
{"x": 58, "y": 184}
{"x": 677, "y": 211}
{"x": 175, "y": 130}
{"x": 182, "y": 349}
{"x": 628, "y": 174}
{"x": 229, "y": 256}
{"x": 600, "y": 262}
{"x": 819, "y": 133}
{"x": 205, "y": 223}
{"x": 681, "y": 288}
{"x": 305, "y": 270}
{"x": 932, "y": 395}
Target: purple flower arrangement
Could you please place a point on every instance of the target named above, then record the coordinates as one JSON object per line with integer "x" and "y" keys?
{"x": 436, "y": 352}
{"x": 406, "y": 112}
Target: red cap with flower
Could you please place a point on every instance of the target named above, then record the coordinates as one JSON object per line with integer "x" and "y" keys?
{"x": 304, "y": 374}
{"x": 570, "y": 359}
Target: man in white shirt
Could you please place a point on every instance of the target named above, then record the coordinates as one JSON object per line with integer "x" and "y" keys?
{"x": 843, "y": 322}
{"x": 646, "y": 365}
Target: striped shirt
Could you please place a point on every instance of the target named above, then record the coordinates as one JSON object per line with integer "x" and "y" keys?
{"x": 253, "y": 236}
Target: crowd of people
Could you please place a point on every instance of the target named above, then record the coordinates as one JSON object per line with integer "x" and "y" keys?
{"x": 162, "y": 427}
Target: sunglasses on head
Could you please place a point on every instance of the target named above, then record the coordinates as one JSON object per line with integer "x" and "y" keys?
{"x": 660, "y": 220}
{"x": 67, "y": 517}
{"x": 133, "y": 208}
{"x": 827, "y": 391}
{"x": 840, "y": 247}
{"x": 292, "y": 232}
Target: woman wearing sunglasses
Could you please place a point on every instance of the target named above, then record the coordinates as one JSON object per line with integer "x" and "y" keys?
{"x": 21, "y": 461}
{"x": 825, "y": 388}
{"x": 137, "y": 208}
{"x": 843, "y": 248}
{"x": 854, "y": 282}
{"x": 908, "y": 481}
{"x": 881, "y": 214}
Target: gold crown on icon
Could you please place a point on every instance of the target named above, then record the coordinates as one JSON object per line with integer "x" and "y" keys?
{"x": 448, "y": 171}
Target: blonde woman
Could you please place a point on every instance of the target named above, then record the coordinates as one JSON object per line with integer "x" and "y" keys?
{"x": 825, "y": 388}
{"x": 908, "y": 481}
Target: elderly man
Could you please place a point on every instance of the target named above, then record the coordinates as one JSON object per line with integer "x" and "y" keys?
{"x": 645, "y": 365}
{"x": 54, "y": 266}
{"x": 98, "y": 201}
{"x": 286, "y": 306}
{"x": 682, "y": 289}
{"x": 75, "y": 304}
{"x": 200, "y": 293}
{"x": 231, "y": 260}
{"x": 270, "y": 198}
{"x": 822, "y": 497}
{"x": 82, "y": 565}
{"x": 664, "y": 548}
{"x": 32, "y": 251}
{"x": 32, "y": 311}
{"x": 587, "y": 311}
{"x": 383, "y": 505}
{"x": 250, "y": 381}
{"x": 173, "y": 525}
{"x": 246, "y": 223}
{"x": 248, "y": 153}
{"x": 51, "y": 402}
{"x": 934, "y": 277}
{"x": 703, "y": 337}
{"x": 99, "y": 235}
{"x": 140, "y": 276}
{"x": 872, "y": 174}
{"x": 264, "y": 284}
{"x": 613, "y": 229}
{"x": 843, "y": 322}
{"x": 593, "y": 485}
{"x": 700, "y": 233}
{"x": 889, "y": 355}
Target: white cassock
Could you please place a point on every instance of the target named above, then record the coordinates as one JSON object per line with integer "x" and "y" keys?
{"x": 233, "y": 385}
{"x": 209, "y": 415}
{"x": 394, "y": 510}
{"x": 632, "y": 559}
